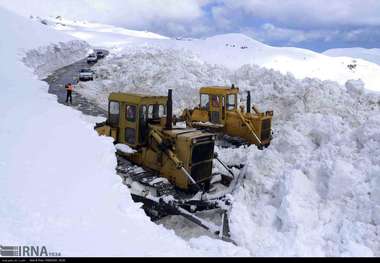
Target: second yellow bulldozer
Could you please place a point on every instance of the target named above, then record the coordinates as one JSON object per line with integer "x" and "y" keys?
{"x": 218, "y": 111}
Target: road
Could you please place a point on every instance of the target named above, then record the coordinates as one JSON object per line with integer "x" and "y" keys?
{"x": 57, "y": 81}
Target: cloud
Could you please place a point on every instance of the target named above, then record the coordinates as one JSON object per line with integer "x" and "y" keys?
{"x": 311, "y": 13}
{"x": 319, "y": 39}
{"x": 276, "y": 22}
{"x": 271, "y": 33}
{"x": 316, "y": 24}
{"x": 220, "y": 15}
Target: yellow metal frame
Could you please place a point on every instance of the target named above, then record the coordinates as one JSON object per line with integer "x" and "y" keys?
{"x": 235, "y": 122}
{"x": 174, "y": 163}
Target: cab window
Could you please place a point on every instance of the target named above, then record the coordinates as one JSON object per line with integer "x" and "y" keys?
{"x": 215, "y": 101}
{"x": 156, "y": 111}
{"x": 150, "y": 112}
{"x": 205, "y": 101}
{"x": 130, "y": 113}
{"x": 161, "y": 111}
{"x": 231, "y": 102}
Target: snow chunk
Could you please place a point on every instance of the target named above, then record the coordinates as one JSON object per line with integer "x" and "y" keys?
{"x": 124, "y": 148}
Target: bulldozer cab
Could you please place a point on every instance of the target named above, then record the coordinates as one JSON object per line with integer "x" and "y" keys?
{"x": 217, "y": 101}
{"x": 218, "y": 111}
{"x": 144, "y": 123}
{"x": 130, "y": 114}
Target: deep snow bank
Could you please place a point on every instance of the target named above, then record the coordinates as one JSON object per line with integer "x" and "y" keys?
{"x": 236, "y": 50}
{"x": 231, "y": 50}
{"x": 153, "y": 70}
{"x": 315, "y": 190}
{"x": 46, "y": 59}
{"x": 57, "y": 176}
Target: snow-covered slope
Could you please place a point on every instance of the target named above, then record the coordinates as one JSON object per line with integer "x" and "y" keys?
{"x": 372, "y": 55}
{"x": 97, "y": 34}
{"x": 58, "y": 185}
{"x": 233, "y": 51}
{"x": 315, "y": 190}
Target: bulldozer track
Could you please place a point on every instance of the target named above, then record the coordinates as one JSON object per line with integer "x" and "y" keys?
{"x": 169, "y": 201}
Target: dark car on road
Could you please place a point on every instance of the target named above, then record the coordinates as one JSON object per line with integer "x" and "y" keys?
{"x": 100, "y": 54}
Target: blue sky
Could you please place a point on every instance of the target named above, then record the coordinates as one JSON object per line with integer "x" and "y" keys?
{"x": 313, "y": 24}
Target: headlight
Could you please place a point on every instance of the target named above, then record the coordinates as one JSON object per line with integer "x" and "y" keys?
{"x": 194, "y": 141}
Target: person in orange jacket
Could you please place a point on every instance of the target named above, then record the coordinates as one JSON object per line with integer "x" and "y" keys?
{"x": 69, "y": 90}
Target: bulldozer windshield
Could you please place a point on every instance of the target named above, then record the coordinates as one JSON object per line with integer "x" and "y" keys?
{"x": 149, "y": 114}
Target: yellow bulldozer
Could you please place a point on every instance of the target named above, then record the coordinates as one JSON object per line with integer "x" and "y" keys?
{"x": 169, "y": 169}
{"x": 218, "y": 112}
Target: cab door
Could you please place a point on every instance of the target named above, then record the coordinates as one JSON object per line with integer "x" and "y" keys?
{"x": 216, "y": 111}
{"x": 114, "y": 108}
{"x": 129, "y": 124}
{"x": 143, "y": 124}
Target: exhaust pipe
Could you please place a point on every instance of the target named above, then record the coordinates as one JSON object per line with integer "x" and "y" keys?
{"x": 248, "y": 102}
{"x": 169, "y": 111}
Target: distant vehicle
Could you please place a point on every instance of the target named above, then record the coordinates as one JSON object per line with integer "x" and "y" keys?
{"x": 100, "y": 54}
{"x": 92, "y": 58}
{"x": 86, "y": 74}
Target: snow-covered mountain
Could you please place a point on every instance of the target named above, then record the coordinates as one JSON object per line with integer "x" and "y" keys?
{"x": 372, "y": 54}
{"x": 232, "y": 51}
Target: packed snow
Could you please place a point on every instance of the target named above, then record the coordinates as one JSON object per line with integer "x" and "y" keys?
{"x": 315, "y": 190}
{"x": 369, "y": 54}
{"x": 153, "y": 71}
{"x": 57, "y": 56}
{"x": 58, "y": 183}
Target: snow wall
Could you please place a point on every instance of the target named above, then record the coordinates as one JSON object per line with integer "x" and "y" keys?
{"x": 316, "y": 190}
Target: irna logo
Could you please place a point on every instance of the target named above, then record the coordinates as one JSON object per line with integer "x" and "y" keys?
{"x": 26, "y": 251}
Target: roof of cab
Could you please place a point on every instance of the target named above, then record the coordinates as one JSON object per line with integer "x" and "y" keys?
{"x": 219, "y": 90}
{"x": 137, "y": 98}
